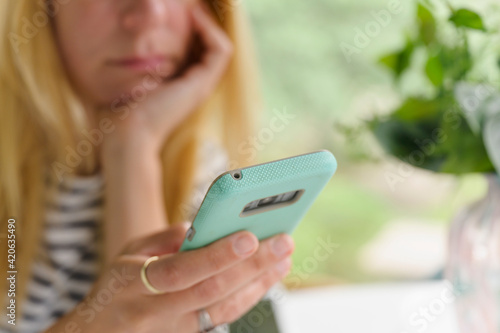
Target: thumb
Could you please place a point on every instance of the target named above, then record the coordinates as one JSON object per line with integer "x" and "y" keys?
{"x": 164, "y": 242}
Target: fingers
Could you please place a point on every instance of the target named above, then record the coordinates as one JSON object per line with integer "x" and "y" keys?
{"x": 240, "y": 302}
{"x": 195, "y": 84}
{"x": 168, "y": 241}
{"x": 217, "y": 51}
{"x": 271, "y": 251}
{"x": 177, "y": 272}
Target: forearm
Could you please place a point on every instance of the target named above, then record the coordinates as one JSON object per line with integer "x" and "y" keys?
{"x": 134, "y": 197}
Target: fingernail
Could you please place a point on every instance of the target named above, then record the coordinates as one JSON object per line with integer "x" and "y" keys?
{"x": 281, "y": 245}
{"x": 244, "y": 245}
{"x": 283, "y": 265}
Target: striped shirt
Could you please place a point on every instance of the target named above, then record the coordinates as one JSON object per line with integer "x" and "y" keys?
{"x": 67, "y": 262}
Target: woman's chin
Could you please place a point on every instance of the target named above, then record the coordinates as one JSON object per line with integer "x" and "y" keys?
{"x": 125, "y": 96}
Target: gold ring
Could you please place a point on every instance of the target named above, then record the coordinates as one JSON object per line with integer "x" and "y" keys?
{"x": 144, "y": 278}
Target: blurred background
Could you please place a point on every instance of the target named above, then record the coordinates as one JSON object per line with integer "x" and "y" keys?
{"x": 374, "y": 229}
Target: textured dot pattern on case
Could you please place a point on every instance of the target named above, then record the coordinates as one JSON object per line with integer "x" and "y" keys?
{"x": 322, "y": 161}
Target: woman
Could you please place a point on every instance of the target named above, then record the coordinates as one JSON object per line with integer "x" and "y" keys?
{"x": 123, "y": 93}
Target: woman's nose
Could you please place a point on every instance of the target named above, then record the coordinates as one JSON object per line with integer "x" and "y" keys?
{"x": 142, "y": 14}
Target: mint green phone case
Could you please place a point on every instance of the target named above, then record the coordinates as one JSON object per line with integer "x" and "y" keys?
{"x": 220, "y": 212}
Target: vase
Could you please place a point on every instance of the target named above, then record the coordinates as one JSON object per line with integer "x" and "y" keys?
{"x": 473, "y": 266}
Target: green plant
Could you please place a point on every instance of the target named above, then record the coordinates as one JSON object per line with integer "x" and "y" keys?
{"x": 455, "y": 128}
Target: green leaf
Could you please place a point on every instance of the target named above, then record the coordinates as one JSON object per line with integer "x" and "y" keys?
{"x": 423, "y": 133}
{"x": 418, "y": 109}
{"x": 456, "y": 62}
{"x": 405, "y": 132}
{"x": 408, "y": 141}
{"x": 491, "y": 137}
{"x": 434, "y": 70}
{"x": 426, "y": 24}
{"x": 465, "y": 151}
{"x": 440, "y": 147}
{"x": 467, "y": 19}
{"x": 399, "y": 61}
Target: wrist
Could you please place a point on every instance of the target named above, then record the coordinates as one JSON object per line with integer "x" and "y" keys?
{"x": 116, "y": 153}
{"x": 134, "y": 196}
{"x": 122, "y": 166}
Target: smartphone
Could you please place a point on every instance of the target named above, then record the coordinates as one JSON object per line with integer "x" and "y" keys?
{"x": 265, "y": 199}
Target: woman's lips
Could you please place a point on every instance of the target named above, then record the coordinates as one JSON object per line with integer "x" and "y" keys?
{"x": 162, "y": 64}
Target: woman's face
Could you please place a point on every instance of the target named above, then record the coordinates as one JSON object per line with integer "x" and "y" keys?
{"x": 111, "y": 46}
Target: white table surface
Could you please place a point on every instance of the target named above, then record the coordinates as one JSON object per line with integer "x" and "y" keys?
{"x": 373, "y": 308}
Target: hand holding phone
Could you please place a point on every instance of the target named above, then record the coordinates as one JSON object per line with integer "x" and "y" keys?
{"x": 265, "y": 199}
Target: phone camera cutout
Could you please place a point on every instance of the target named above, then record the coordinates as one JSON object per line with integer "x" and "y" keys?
{"x": 237, "y": 175}
{"x": 272, "y": 202}
{"x": 267, "y": 201}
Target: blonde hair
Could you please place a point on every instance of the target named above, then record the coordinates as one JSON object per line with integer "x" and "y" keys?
{"x": 41, "y": 116}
